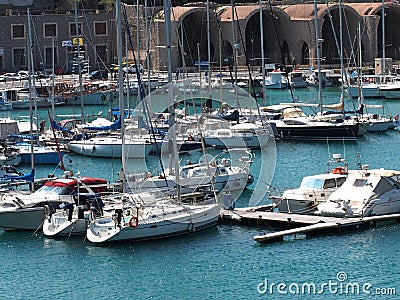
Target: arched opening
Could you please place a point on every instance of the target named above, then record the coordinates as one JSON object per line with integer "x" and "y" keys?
{"x": 286, "y": 53}
{"x": 331, "y": 29}
{"x": 392, "y": 38}
{"x": 192, "y": 32}
{"x": 305, "y": 54}
{"x": 253, "y": 38}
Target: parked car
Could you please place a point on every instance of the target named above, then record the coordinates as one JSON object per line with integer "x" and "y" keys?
{"x": 99, "y": 74}
{"x": 10, "y": 77}
{"x": 131, "y": 69}
{"x": 23, "y": 74}
{"x": 42, "y": 74}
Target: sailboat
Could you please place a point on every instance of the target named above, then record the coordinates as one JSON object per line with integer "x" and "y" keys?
{"x": 152, "y": 215}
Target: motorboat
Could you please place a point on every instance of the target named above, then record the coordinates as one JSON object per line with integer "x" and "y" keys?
{"x": 365, "y": 193}
{"x": 275, "y": 80}
{"x": 69, "y": 220}
{"x": 150, "y": 215}
{"x": 28, "y": 211}
{"x": 296, "y": 79}
{"x": 313, "y": 189}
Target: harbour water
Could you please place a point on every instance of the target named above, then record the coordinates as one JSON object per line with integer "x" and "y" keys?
{"x": 225, "y": 261}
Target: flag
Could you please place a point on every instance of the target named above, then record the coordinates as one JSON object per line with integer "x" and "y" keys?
{"x": 67, "y": 43}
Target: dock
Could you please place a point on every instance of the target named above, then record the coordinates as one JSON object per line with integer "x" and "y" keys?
{"x": 299, "y": 226}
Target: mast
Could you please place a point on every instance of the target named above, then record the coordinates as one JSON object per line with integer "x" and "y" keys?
{"x": 383, "y": 39}
{"x": 31, "y": 78}
{"x": 264, "y": 91}
{"x": 208, "y": 49}
{"x": 79, "y": 60}
{"x": 172, "y": 143}
{"x": 120, "y": 89}
{"x": 341, "y": 51}
{"x": 318, "y": 45}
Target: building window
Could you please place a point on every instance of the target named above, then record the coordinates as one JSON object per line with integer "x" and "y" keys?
{"x": 72, "y": 29}
{"x": 50, "y": 30}
{"x": 100, "y": 28}
{"x": 48, "y": 57}
{"x": 19, "y": 57}
{"x": 18, "y": 31}
{"x": 101, "y": 53}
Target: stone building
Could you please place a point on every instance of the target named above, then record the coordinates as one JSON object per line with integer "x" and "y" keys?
{"x": 288, "y": 30}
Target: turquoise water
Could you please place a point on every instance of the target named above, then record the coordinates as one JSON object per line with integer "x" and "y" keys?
{"x": 222, "y": 262}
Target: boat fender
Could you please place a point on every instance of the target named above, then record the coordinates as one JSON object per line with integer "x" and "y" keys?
{"x": 103, "y": 98}
{"x": 93, "y": 149}
{"x": 134, "y": 221}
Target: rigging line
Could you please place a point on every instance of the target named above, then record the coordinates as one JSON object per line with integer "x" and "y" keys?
{"x": 143, "y": 92}
{"x": 37, "y": 43}
{"x": 248, "y": 67}
{"x": 280, "y": 49}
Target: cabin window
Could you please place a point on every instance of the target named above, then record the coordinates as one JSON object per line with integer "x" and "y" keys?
{"x": 340, "y": 181}
{"x": 312, "y": 183}
{"x": 101, "y": 51}
{"x": 100, "y": 28}
{"x": 359, "y": 182}
{"x": 50, "y": 30}
{"x": 18, "y": 31}
{"x": 72, "y": 29}
{"x": 329, "y": 183}
{"x": 19, "y": 57}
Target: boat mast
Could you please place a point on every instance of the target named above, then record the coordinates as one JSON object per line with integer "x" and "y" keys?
{"x": 383, "y": 39}
{"x": 172, "y": 143}
{"x": 341, "y": 51}
{"x": 31, "y": 81}
{"x": 264, "y": 90}
{"x": 318, "y": 45}
{"x": 120, "y": 89}
{"x": 79, "y": 60}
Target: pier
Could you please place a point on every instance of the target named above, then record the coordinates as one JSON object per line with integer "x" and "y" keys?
{"x": 299, "y": 226}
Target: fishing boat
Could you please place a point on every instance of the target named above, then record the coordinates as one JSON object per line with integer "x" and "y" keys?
{"x": 313, "y": 189}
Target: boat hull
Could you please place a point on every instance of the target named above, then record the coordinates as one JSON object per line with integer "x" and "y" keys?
{"x": 22, "y": 219}
{"x": 162, "y": 227}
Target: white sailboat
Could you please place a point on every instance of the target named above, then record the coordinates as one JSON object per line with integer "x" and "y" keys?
{"x": 151, "y": 215}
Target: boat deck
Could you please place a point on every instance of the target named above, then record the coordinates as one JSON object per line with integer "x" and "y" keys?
{"x": 298, "y": 226}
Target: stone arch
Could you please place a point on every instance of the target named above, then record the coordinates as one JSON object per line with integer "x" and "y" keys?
{"x": 192, "y": 32}
{"x": 331, "y": 27}
{"x": 305, "y": 53}
{"x": 392, "y": 38}
{"x": 271, "y": 45}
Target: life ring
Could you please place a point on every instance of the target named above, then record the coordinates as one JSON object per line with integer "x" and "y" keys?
{"x": 134, "y": 221}
{"x": 338, "y": 170}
